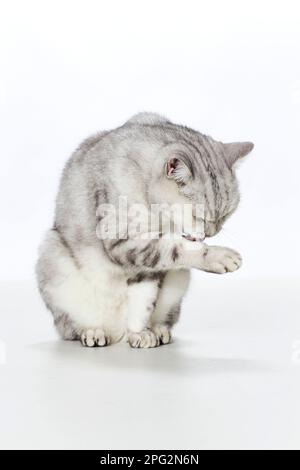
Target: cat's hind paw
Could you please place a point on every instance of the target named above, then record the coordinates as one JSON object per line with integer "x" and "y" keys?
{"x": 94, "y": 337}
{"x": 143, "y": 339}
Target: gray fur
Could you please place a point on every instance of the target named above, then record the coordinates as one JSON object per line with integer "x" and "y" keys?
{"x": 132, "y": 160}
{"x": 173, "y": 316}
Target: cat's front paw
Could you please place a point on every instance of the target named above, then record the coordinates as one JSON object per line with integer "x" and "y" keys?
{"x": 220, "y": 260}
{"x": 163, "y": 333}
{"x": 94, "y": 337}
{"x": 143, "y": 339}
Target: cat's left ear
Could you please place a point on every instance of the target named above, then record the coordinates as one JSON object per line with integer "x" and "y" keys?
{"x": 178, "y": 170}
{"x": 236, "y": 150}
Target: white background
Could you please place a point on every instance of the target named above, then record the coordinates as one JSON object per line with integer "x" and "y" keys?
{"x": 230, "y": 69}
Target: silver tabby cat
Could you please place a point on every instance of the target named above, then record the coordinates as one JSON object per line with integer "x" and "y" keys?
{"x": 102, "y": 290}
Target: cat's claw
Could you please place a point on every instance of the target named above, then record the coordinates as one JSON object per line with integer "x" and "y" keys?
{"x": 94, "y": 337}
{"x": 143, "y": 339}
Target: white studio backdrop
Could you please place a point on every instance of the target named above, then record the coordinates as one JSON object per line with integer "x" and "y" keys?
{"x": 229, "y": 69}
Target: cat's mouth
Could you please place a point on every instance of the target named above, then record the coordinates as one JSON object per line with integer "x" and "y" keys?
{"x": 193, "y": 237}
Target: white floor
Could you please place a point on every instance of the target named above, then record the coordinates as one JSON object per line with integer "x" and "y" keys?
{"x": 231, "y": 379}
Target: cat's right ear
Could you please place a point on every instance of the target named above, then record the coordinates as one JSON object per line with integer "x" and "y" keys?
{"x": 235, "y": 151}
{"x": 176, "y": 169}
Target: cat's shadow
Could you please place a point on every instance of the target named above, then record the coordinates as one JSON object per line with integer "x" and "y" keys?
{"x": 177, "y": 358}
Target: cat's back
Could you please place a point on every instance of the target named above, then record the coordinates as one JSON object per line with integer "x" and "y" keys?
{"x": 98, "y": 156}
{"x": 99, "y": 160}
{"x": 104, "y": 146}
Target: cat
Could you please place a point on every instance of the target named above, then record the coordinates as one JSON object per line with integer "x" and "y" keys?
{"x": 102, "y": 290}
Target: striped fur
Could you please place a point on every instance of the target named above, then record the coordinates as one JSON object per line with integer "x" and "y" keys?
{"x": 104, "y": 290}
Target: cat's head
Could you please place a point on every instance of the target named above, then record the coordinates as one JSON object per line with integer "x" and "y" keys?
{"x": 202, "y": 173}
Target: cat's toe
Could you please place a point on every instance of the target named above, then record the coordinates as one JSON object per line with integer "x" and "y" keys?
{"x": 143, "y": 339}
{"x": 233, "y": 261}
{"x": 94, "y": 337}
{"x": 163, "y": 333}
{"x": 224, "y": 260}
{"x": 102, "y": 339}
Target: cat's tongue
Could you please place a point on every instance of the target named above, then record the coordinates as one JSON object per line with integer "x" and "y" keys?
{"x": 193, "y": 237}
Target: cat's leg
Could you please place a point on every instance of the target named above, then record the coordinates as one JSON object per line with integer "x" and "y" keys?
{"x": 167, "y": 310}
{"x": 161, "y": 254}
{"x": 86, "y": 302}
{"x": 68, "y": 330}
{"x": 142, "y": 298}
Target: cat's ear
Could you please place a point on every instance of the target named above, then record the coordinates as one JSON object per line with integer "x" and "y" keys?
{"x": 176, "y": 169}
{"x": 236, "y": 150}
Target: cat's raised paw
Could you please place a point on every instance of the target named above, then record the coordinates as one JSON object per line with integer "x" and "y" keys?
{"x": 94, "y": 337}
{"x": 221, "y": 260}
{"x": 143, "y": 339}
{"x": 163, "y": 333}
